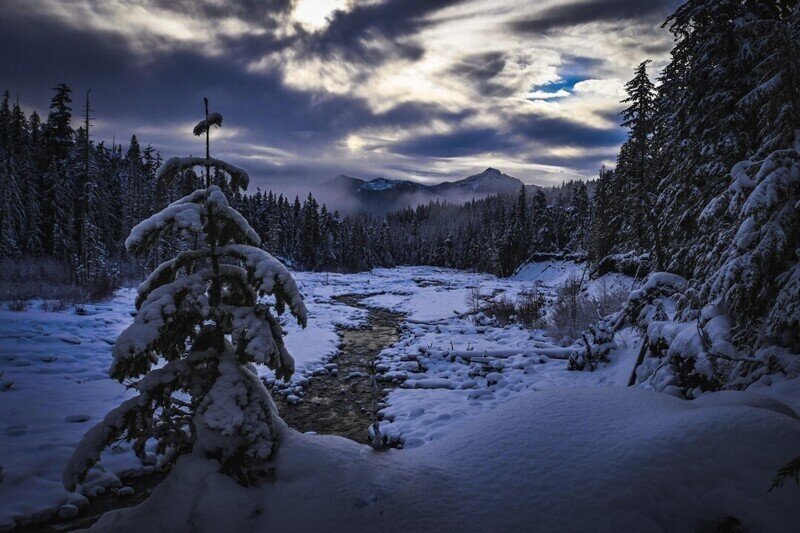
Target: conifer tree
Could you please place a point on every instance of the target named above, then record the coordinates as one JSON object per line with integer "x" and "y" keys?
{"x": 635, "y": 173}
{"x": 203, "y": 315}
{"x": 56, "y": 182}
{"x": 601, "y": 214}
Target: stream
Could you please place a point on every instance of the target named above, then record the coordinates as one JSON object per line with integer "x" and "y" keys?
{"x": 339, "y": 402}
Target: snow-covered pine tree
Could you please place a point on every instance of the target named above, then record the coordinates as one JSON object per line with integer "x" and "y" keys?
{"x": 201, "y": 314}
{"x": 729, "y": 109}
{"x": 752, "y": 265}
{"x": 56, "y": 182}
{"x": 634, "y": 173}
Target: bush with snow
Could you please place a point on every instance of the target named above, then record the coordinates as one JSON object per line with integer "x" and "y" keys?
{"x": 573, "y": 311}
{"x": 203, "y": 320}
{"x": 530, "y": 308}
{"x": 643, "y": 306}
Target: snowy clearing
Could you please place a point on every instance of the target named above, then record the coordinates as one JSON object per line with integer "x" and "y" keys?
{"x": 441, "y": 378}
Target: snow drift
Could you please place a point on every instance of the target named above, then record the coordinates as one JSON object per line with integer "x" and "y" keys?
{"x": 655, "y": 463}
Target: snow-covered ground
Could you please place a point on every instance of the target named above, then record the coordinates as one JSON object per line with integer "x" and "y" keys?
{"x": 577, "y": 459}
{"x": 442, "y": 378}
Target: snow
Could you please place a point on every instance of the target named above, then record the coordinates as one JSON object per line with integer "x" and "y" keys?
{"x": 379, "y": 184}
{"x": 549, "y": 272}
{"x": 654, "y": 463}
{"x": 177, "y": 217}
{"x": 669, "y": 281}
{"x": 476, "y": 406}
{"x": 213, "y": 119}
{"x": 239, "y": 177}
{"x": 58, "y": 389}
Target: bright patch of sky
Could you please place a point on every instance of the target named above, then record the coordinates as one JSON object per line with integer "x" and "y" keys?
{"x": 314, "y": 14}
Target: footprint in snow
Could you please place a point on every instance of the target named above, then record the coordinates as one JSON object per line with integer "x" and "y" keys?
{"x": 77, "y": 418}
{"x": 16, "y": 430}
{"x": 69, "y": 338}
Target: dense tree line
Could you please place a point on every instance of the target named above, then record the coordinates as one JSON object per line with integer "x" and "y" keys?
{"x": 68, "y": 198}
{"x": 495, "y": 234}
{"x": 706, "y": 191}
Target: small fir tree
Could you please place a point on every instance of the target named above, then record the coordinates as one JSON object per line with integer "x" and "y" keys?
{"x": 203, "y": 314}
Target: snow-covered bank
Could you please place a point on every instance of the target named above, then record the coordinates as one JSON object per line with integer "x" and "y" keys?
{"x": 599, "y": 459}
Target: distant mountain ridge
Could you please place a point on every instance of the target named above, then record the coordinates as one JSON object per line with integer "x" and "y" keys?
{"x": 381, "y": 195}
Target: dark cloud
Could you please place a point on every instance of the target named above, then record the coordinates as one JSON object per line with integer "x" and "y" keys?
{"x": 459, "y": 143}
{"x": 557, "y": 131}
{"x": 480, "y": 71}
{"x": 515, "y": 138}
{"x": 580, "y": 67}
{"x": 261, "y": 12}
{"x": 481, "y": 67}
{"x": 146, "y": 84}
{"x": 576, "y": 13}
{"x": 350, "y": 34}
{"x": 136, "y": 95}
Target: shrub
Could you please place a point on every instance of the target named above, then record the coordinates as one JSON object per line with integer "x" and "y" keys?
{"x": 500, "y": 308}
{"x": 609, "y": 297}
{"x": 17, "y": 305}
{"x": 474, "y": 300}
{"x": 530, "y": 308}
{"x": 55, "y": 305}
{"x": 103, "y": 286}
{"x": 30, "y": 278}
{"x": 572, "y": 312}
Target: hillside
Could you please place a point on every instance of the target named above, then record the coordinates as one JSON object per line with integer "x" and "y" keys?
{"x": 381, "y": 195}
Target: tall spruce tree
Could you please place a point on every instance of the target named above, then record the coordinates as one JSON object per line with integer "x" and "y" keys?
{"x": 729, "y": 154}
{"x": 635, "y": 170}
{"x": 57, "y": 181}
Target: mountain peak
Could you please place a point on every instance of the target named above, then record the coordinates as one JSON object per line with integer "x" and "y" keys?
{"x": 380, "y": 184}
{"x": 385, "y": 194}
{"x": 490, "y": 181}
{"x": 346, "y": 178}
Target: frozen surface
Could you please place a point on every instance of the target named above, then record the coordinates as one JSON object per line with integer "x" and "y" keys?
{"x": 580, "y": 459}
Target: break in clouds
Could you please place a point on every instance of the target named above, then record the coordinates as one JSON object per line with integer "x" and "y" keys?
{"x": 410, "y": 89}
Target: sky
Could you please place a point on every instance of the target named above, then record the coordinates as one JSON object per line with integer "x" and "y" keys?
{"x": 428, "y": 90}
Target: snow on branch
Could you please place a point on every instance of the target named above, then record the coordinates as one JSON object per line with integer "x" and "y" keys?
{"x": 659, "y": 283}
{"x": 270, "y": 276}
{"x": 232, "y": 225}
{"x": 129, "y": 418}
{"x": 258, "y": 337}
{"x": 197, "y": 197}
{"x": 186, "y": 217}
{"x": 87, "y": 453}
{"x": 240, "y": 179}
{"x": 213, "y": 119}
{"x": 237, "y": 416}
{"x": 164, "y": 321}
{"x": 167, "y": 271}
